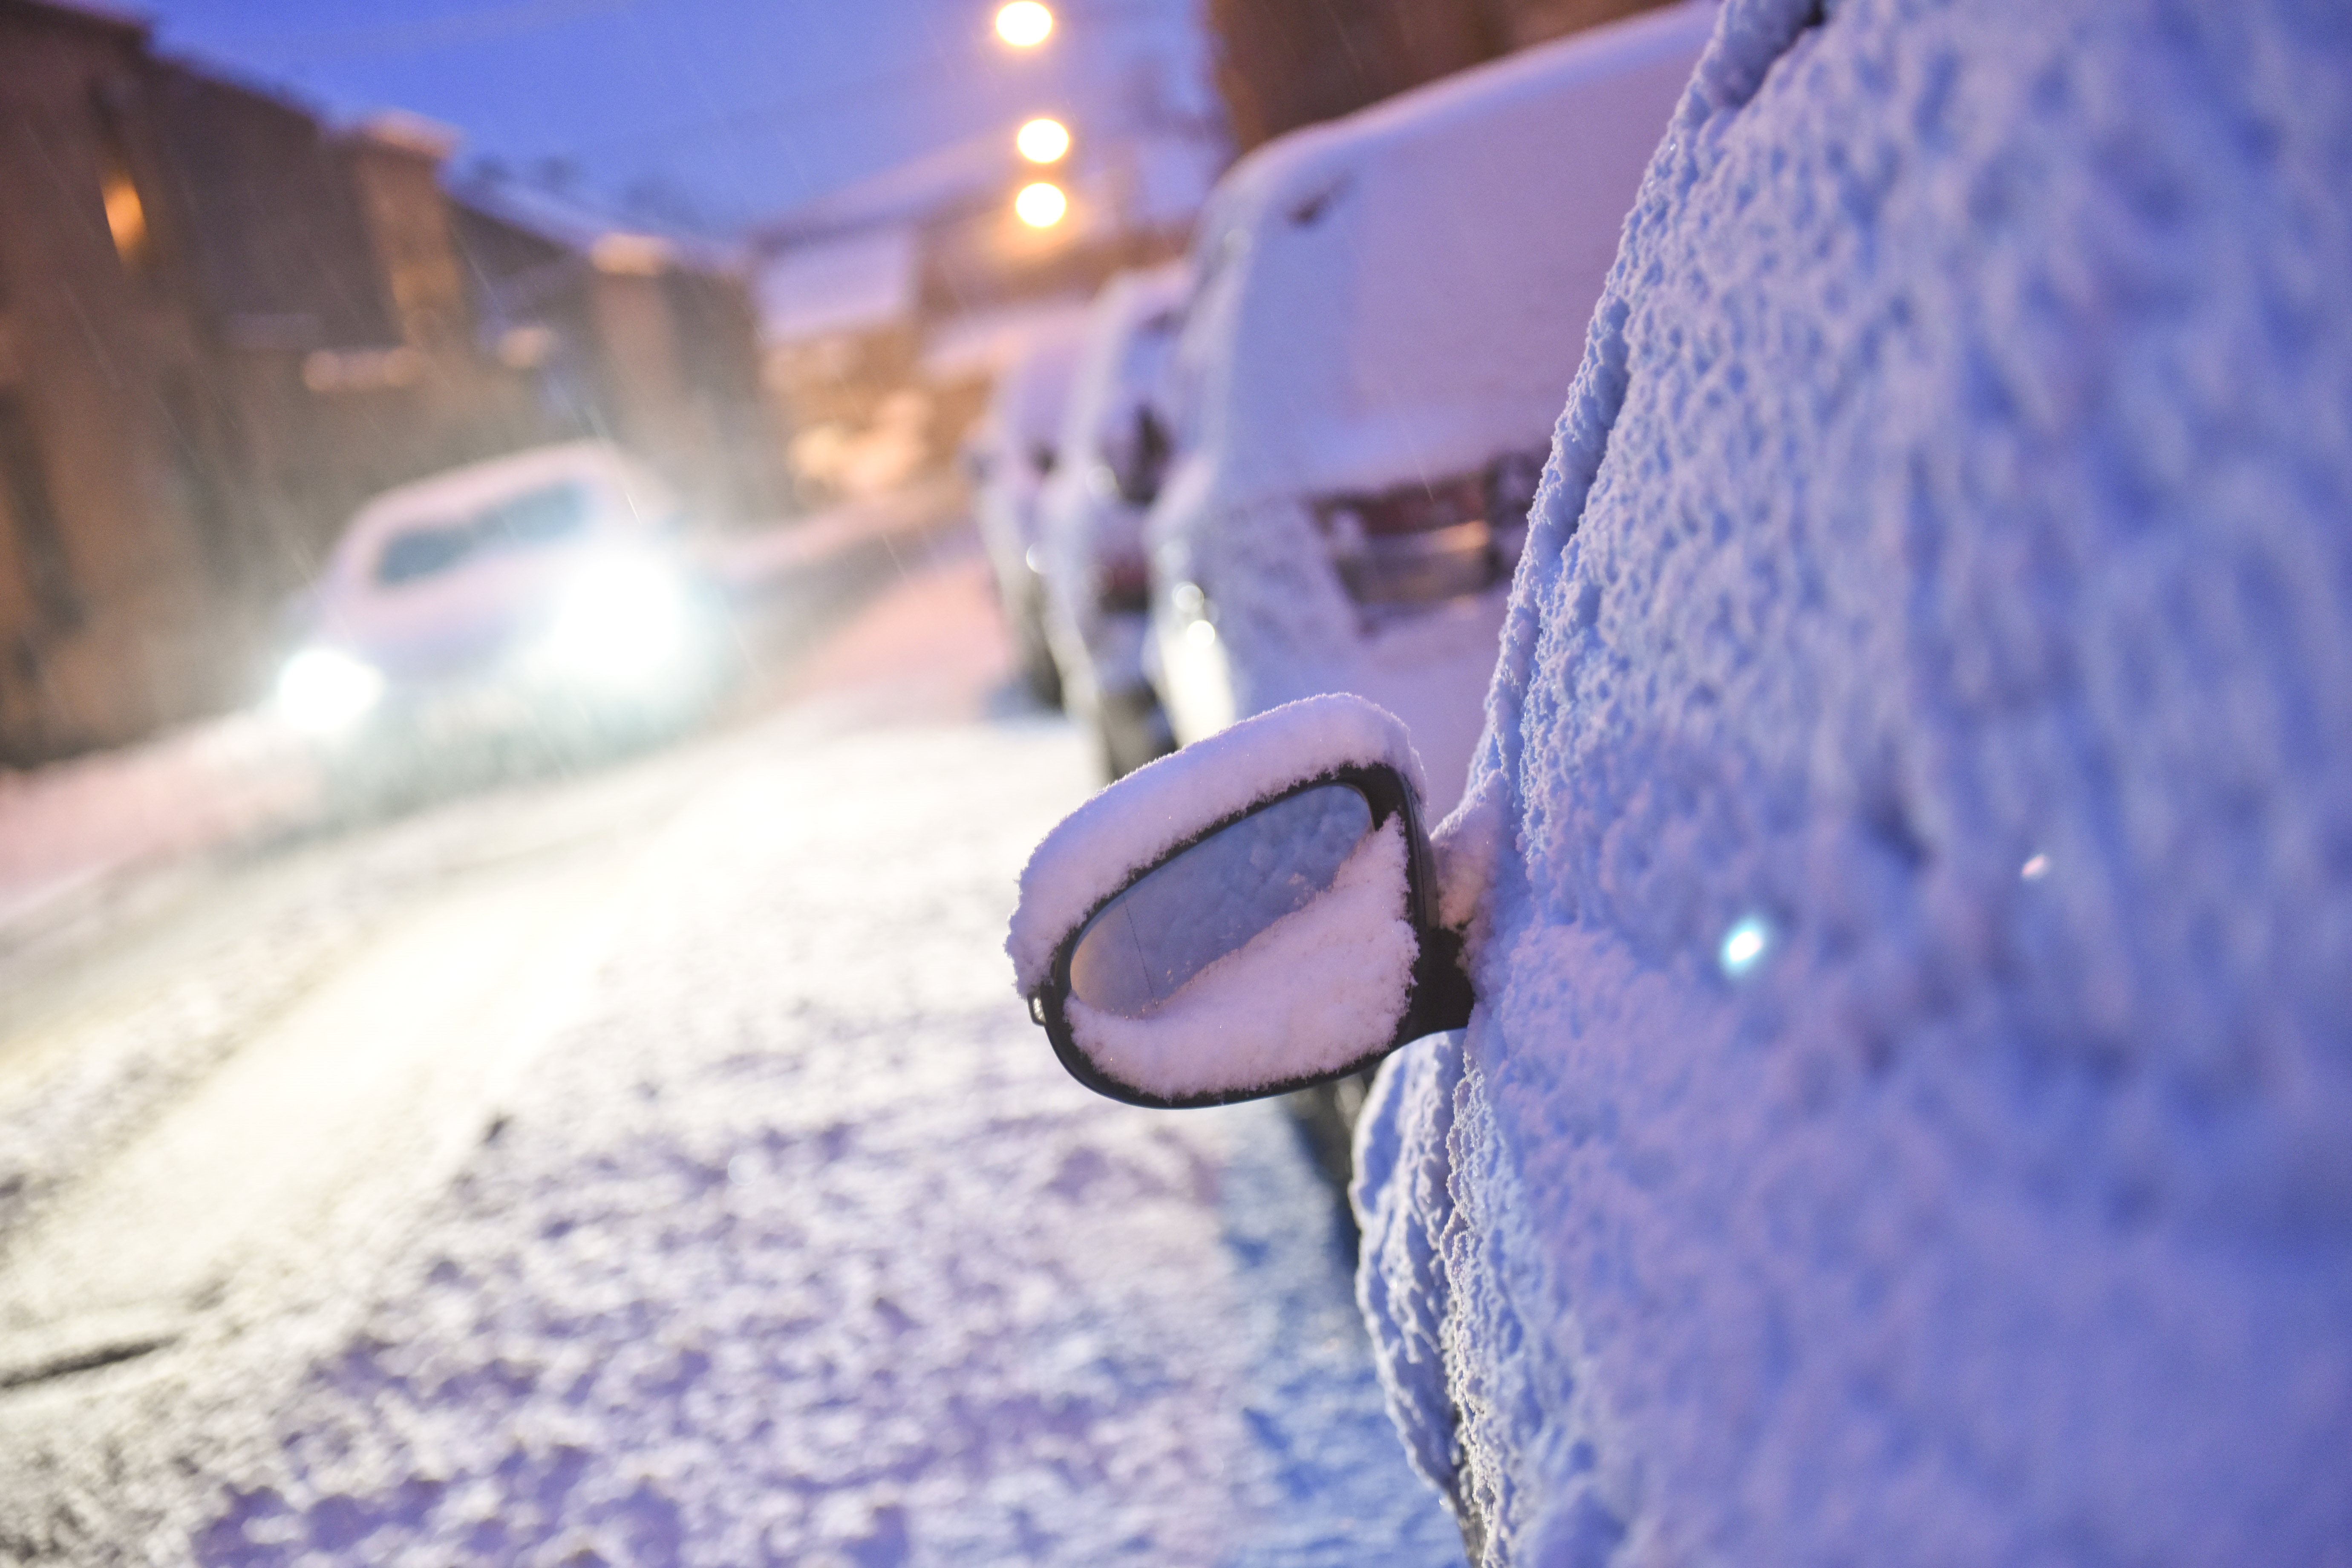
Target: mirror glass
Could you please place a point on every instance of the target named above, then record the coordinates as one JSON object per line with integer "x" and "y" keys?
{"x": 1277, "y": 949}
{"x": 1210, "y": 899}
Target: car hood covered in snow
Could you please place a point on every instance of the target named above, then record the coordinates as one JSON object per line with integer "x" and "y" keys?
{"x": 1905, "y": 1120}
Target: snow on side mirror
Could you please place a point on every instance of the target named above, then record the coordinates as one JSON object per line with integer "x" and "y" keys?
{"x": 1252, "y": 915}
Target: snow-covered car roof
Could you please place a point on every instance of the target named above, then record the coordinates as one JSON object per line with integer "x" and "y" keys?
{"x": 1381, "y": 296}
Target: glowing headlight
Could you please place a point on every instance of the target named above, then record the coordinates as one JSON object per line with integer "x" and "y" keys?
{"x": 621, "y": 621}
{"x": 324, "y": 689}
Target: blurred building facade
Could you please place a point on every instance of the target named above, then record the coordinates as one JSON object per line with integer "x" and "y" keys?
{"x": 225, "y": 323}
{"x": 1282, "y": 63}
{"x": 841, "y": 323}
{"x": 119, "y": 535}
{"x": 647, "y": 341}
{"x": 343, "y": 352}
{"x": 887, "y": 307}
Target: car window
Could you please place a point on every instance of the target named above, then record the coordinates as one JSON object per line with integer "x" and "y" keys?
{"x": 422, "y": 552}
{"x": 541, "y": 516}
{"x": 536, "y": 516}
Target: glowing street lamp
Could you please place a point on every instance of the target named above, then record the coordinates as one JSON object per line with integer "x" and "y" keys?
{"x": 1024, "y": 24}
{"x": 1041, "y": 206}
{"x": 1044, "y": 140}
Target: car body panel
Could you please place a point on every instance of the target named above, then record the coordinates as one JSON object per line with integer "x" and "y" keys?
{"x": 1904, "y": 1116}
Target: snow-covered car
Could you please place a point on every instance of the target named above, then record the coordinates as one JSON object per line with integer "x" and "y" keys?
{"x": 1897, "y": 1110}
{"x": 541, "y": 600}
{"x": 1116, "y": 444}
{"x": 1010, "y": 455}
{"x": 1389, "y": 311}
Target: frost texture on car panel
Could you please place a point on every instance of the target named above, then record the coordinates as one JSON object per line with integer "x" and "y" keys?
{"x": 1944, "y": 565}
{"x": 1402, "y": 1207}
{"x": 1099, "y": 847}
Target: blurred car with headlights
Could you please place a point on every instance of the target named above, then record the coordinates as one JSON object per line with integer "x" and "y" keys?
{"x": 1115, "y": 449}
{"x": 536, "y": 607}
{"x": 1011, "y": 456}
{"x": 1388, "y": 311}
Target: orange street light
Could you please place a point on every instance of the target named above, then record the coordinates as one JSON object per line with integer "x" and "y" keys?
{"x": 1024, "y": 24}
{"x": 1041, "y": 206}
{"x": 1044, "y": 140}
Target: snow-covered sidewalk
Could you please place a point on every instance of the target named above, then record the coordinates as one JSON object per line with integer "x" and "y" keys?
{"x": 796, "y": 1245}
{"x": 67, "y": 828}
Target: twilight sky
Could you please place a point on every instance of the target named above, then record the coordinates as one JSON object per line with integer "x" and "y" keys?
{"x": 733, "y": 109}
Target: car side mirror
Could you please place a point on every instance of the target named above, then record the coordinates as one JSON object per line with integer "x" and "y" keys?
{"x": 1252, "y": 915}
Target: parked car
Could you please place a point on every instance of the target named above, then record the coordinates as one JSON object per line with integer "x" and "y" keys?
{"x": 1390, "y": 309}
{"x": 1011, "y": 456}
{"x": 1890, "y": 1106}
{"x": 1116, "y": 444}
{"x": 539, "y": 604}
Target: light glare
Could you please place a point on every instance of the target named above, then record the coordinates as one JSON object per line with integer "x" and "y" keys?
{"x": 1745, "y": 945}
{"x": 1041, "y": 206}
{"x": 324, "y": 689}
{"x": 1024, "y": 24}
{"x": 1044, "y": 140}
{"x": 623, "y": 622}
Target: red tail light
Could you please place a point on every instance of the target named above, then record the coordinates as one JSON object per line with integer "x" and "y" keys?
{"x": 1422, "y": 545}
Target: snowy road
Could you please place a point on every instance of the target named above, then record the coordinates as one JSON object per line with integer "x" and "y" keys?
{"x": 657, "y": 1167}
